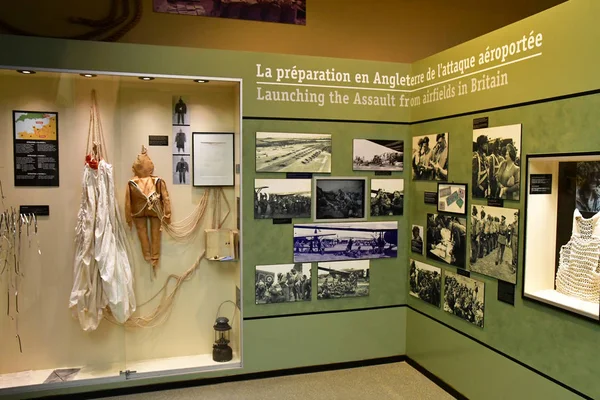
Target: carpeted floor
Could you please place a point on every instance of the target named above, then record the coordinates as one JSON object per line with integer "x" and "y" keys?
{"x": 398, "y": 381}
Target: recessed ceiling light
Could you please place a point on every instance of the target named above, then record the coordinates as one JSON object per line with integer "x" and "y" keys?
{"x": 146, "y": 78}
{"x": 201, "y": 81}
{"x": 88, "y": 75}
{"x": 26, "y": 71}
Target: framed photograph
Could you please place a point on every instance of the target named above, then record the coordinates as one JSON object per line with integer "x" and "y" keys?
{"x": 416, "y": 242}
{"x": 182, "y": 140}
{"x": 425, "y": 282}
{"x": 497, "y": 163}
{"x": 339, "y": 198}
{"x": 282, "y": 283}
{"x": 447, "y": 239}
{"x": 430, "y": 157}
{"x": 464, "y": 297}
{"x": 452, "y": 198}
{"x": 181, "y": 169}
{"x": 377, "y": 155}
{"x": 342, "y": 279}
{"x": 213, "y": 161}
{"x": 387, "y": 197}
{"x": 495, "y": 242}
{"x": 343, "y": 242}
{"x": 282, "y": 198}
{"x": 181, "y": 114}
{"x": 293, "y": 152}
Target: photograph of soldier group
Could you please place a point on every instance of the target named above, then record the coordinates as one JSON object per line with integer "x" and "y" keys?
{"x": 282, "y": 198}
{"x": 464, "y": 297}
{"x": 282, "y": 283}
{"x": 387, "y": 197}
{"x": 340, "y": 198}
{"x": 377, "y": 155}
{"x": 425, "y": 282}
{"x": 496, "y": 162}
{"x": 447, "y": 239}
{"x": 430, "y": 157}
{"x": 343, "y": 279}
{"x": 495, "y": 242}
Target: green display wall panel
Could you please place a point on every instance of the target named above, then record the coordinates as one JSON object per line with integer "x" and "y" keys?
{"x": 556, "y": 343}
{"x": 265, "y": 243}
{"x": 474, "y": 370}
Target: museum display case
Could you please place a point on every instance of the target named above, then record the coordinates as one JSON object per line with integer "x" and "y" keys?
{"x": 109, "y": 278}
{"x": 562, "y": 232}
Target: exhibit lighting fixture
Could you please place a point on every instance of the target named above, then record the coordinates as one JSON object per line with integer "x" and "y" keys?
{"x": 222, "y": 352}
{"x": 146, "y": 78}
{"x": 201, "y": 81}
{"x": 88, "y": 75}
{"x": 26, "y": 71}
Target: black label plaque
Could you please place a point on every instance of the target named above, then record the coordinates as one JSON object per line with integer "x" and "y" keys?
{"x": 496, "y": 202}
{"x": 282, "y": 221}
{"x": 37, "y": 210}
{"x": 299, "y": 175}
{"x": 383, "y": 173}
{"x": 158, "y": 140}
{"x": 540, "y": 184}
{"x": 506, "y": 292}
{"x": 480, "y": 123}
{"x": 463, "y": 272}
{"x": 430, "y": 198}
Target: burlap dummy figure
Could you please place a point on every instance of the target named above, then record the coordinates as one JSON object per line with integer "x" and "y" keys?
{"x": 145, "y": 195}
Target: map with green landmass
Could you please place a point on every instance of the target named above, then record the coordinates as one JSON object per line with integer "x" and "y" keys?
{"x": 35, "y": 125}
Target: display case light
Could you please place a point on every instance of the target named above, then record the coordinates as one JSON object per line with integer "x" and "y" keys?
{"x": 26, "y": 71}
{"x": 201, "y": 81}
{"x": 88, "y": 75}
{"x": 146, "y": 78}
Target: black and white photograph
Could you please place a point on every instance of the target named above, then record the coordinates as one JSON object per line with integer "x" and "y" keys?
{"x": 182, "y": 140}
{"x": 293, "y": 152}
{"x": 447, "y": 239}
{"x": 416, "y": 241}
{"x": 430, "y": 157}
{"x": 587, "y": 193}
{"x": 495, "y": 242}
{"x": 345, "y": 241}
{"x": 452, "y": 198}
{"x": 377, "y": 155}
{"x": 425, "y": 282}
{"x": 181, "y": 114}
{"x": 464, "y": 297}
{"x": 282, "y": 198}
{"x": 277, "y": 11}
{"x": 340, "y": 198}
{"x": 387, "y": 197}
{"x": 282, "y": 283}
{"x": 496, "y": 166}
{"x": 337, "y": 280}
{"x": 181, "y": 170}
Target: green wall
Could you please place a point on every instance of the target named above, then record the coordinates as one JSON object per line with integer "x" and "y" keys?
{"x": 558, "y": 344}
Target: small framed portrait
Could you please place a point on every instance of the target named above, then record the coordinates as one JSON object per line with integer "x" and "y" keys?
{"x": 339, "y": 199}
{"x": 452, "y": 198}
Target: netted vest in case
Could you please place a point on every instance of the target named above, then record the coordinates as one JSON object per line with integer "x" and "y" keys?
{"x": 579, "y": 262}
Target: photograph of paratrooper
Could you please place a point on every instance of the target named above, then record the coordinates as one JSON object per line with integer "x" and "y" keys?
{"x": 282, "y": 283}
{"x": 342, "y": 279}
{"x": 430, "y": 157}
{"x": 495, "y": 242}
{"x": 293, "y": 152}
{"x": 347, "y": 241}
{"x": 425, "y": 282}
{"x": 496, "y": 165}
{"x": 387, "y": 197}
{"x": 416, "y": 240}
{"x": 464, "y": 297}
{"x": 181, "y": 169}
{"x": 340, "y": 198}
{"x": 282, "y": 198}
{"x": 377, "y": 155}
{"x": 181, "y": 114}
{"x": 182, "y": 137}
{"x": 447, "y": 239}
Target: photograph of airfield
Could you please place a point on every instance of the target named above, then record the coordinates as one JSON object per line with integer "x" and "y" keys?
{"x": 293, "y": 152}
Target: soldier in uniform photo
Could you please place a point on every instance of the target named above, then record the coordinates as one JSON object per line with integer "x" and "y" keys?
{"x": 481, "y": 169}
{"x": 182, "y": 168}
{"x": 416, "y": 243}
{"x": 180, "y": 140}
{"x": 514, "y": 242}
{"x": 180, "y": 111}
{"x": 475, "y": 234}
{"x": 439, "y": 159}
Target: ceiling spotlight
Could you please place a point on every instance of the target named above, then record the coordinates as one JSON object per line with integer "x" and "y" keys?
{"x": 88, "y": 75}
{"x": 26, "y": 71}
{"x": 201, "y": 81}
{"x": 146, "y": 78}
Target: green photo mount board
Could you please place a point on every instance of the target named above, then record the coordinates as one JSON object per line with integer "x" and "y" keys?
{"x": 551, "y": 55}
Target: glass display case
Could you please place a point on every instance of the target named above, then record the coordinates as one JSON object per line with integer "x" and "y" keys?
{"x": 562, "y": 232}
{"x": 60, "y": 131}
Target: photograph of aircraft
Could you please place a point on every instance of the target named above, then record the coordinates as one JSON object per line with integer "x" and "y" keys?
{"x": 293, "y": 152}
{"x": 345, "y": 241}
{"x": 282, "y": 198}
{"x": 341, "y": 279}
